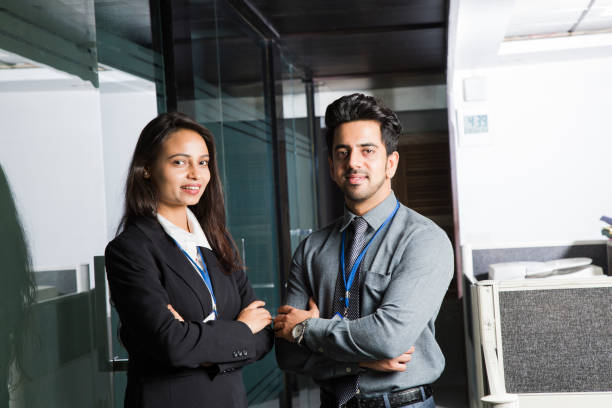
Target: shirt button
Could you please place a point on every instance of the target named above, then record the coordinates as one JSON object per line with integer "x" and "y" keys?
{"x": 348, "y": 369}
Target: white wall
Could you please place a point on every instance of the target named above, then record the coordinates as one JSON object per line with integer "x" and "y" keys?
{"x": 125, "y": 111}
{"x": 51, "y": 150}
{"x": 543, "y": 174}
{"x": 65, "y": 147}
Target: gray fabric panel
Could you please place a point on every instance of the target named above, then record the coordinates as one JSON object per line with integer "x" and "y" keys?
{"x": 557, "y": 340}
{"x": 482, "y": 258}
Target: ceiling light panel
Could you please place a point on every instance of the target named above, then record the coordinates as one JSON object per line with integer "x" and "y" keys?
{"x": 544, "y": 16}
{"x": 598, "y": 18}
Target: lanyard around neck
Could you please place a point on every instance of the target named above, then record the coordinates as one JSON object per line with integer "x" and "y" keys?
{"x": 348, "y": 283}
{"x": 204, "y": 273}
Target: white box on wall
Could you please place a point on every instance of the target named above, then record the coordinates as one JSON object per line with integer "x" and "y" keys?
{"x": 474, "y": 89}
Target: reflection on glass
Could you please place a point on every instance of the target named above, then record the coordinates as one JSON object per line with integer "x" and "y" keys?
{"x": 53, "y": 32}
{"x": 300, "y": 158}
{"x": 17, "y": 293}
{"x": 301, "y": 186}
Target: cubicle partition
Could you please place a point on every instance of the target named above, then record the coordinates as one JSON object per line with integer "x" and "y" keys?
{"x": 547, "y": 341}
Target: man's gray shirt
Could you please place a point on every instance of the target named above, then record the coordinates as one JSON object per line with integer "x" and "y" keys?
{"x": 403, "y": 278}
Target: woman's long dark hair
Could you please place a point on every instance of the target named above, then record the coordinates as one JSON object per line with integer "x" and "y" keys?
{"x": 141, "y": 195}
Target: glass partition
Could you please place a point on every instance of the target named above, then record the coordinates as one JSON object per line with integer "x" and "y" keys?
{"x": 301, "y": 190}
{"x": 51, "y": 158}
{"x": 67, "y": 130}
{"x": 248, "y": 163}
{"x": 300, "y": 156}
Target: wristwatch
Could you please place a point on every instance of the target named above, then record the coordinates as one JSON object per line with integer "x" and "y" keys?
{"x": 298, "y": 331}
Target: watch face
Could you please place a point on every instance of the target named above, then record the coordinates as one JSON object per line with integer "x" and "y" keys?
{"x": 297, "y": 331}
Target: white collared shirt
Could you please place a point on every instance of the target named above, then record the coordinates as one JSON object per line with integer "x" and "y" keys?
{"x": 189, "y": 241}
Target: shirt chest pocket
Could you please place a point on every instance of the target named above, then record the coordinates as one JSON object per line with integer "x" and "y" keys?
{"x": 374, "y": 286}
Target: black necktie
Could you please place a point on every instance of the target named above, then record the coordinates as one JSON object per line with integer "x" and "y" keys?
{"x": 346, "y": 387}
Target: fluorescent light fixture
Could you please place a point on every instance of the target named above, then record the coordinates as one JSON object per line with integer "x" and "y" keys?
{"x": 555, "y": 44}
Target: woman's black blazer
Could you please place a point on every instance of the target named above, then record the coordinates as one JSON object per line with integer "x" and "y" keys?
{"x": 147, "y": 271}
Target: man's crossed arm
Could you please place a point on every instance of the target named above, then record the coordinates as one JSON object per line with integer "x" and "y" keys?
{"x": 289, "y": 316}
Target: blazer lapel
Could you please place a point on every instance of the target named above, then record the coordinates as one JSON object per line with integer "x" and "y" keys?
{"x": 216, "y": 277}
{"x": 176, "y": 260}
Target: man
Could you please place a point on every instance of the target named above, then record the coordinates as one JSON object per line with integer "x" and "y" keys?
{"x": 364, "y": 292}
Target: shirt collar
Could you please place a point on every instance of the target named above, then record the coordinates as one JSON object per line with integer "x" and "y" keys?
{"x": 184, "y": 238}
{"x": 375, "y": 217}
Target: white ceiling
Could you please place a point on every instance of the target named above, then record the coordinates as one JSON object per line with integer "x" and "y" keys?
{"x": 502, "y": 32}
{"x": 541, "y": 17}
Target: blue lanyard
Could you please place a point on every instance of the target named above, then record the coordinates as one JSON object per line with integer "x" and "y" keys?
{"x": 349, "y": 283}
{"x": 205, "y": 275}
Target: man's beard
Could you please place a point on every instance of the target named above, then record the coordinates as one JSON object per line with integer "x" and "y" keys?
{"x": 359, "y": 193}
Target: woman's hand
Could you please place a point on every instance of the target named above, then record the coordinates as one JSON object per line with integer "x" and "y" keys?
{"x": 175, "y": 313}
{"x": 255, "y": 316}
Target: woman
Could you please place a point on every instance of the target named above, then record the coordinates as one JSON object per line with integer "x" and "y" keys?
{"x": 189, "y": 317}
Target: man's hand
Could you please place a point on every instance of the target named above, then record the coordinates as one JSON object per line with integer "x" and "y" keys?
{"x": 289, "y": 316}
{"x": 391, "y": 364}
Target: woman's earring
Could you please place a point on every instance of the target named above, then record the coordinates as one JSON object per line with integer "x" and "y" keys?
{"x": 146, "y": 174}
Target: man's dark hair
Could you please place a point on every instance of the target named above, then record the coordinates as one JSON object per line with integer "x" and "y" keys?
{"x": 358, "y": 106}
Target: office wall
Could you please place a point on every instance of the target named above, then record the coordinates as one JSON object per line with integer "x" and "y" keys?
{"x": 51, "y": 150}
{"x": 543, "y": 172}
{"x": 125, "y": 111}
